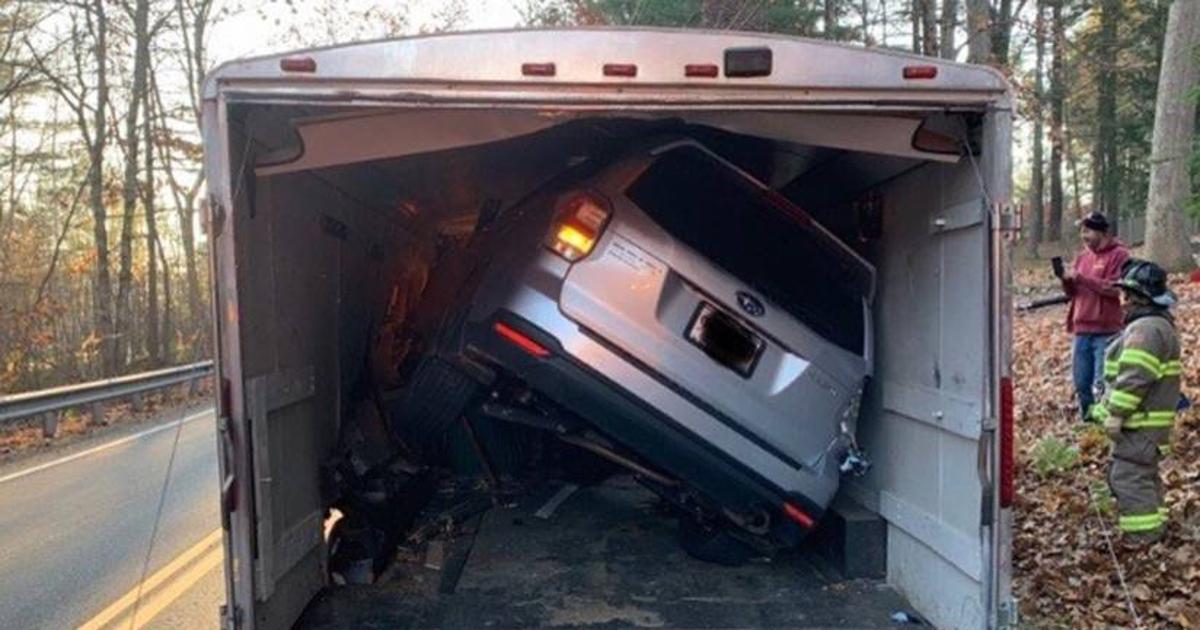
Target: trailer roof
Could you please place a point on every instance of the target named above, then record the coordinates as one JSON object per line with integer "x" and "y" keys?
{"x": 486, "y": 66}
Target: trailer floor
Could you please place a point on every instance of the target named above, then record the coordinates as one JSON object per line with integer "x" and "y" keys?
{"x": 606, "y": 558}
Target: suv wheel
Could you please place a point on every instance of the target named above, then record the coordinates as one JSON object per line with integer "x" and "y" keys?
{"x": 434, "y": 398}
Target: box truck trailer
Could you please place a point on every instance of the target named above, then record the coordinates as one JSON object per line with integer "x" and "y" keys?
{"x": 769, "y": 262}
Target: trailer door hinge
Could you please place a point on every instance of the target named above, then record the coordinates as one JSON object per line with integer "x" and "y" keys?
{"x": 231, "y": 617}
{"x": 215, "y": 217}
{"x": 1007, "y": 218}
{"x": 1008, "y": 615}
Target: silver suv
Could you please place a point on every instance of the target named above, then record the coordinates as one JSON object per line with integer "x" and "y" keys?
{"x": 668, "y": 311}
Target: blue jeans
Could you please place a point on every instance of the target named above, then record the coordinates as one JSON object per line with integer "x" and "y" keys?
{"x": 1087, "y": 368}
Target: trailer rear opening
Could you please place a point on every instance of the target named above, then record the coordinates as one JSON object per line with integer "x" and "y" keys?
{"x": 335, "y": 197}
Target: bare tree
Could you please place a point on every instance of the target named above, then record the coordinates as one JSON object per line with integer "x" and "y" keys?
{"x": 1106, "y": 176}
{"x": 87, "y": 56}
{"x": 949, "y": 23}
{"x": 929, "y": 43}
{"x": 1057, "y": 102}
{"x": 832, "y": 11}
{"x": 148, "y": 188}
{"x": 140, "y": 14}
{"x": 1174, "y": 127}
{"x": 979, "y": 31}
{"x": 915, "y": 14}
{"x": 1037, "y": 191}
{"x": 193, "y": 19}
{"x": 1001, "y": 30}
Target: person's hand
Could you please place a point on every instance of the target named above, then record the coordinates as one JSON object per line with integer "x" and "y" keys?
{"x": 1069, "y": 275}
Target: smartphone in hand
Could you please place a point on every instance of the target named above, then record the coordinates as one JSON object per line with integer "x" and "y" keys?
{"x": 1059, "y": 269}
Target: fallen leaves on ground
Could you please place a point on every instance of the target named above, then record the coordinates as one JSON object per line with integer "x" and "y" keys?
{"x": 1065, "y": 574}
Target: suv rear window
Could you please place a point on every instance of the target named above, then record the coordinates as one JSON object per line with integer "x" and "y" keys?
{"x": 768, "y": 244}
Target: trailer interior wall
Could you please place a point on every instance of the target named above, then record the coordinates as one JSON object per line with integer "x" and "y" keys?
{"x": 316, "y": 251}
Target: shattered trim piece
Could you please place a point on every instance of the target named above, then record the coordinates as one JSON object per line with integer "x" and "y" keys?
{"x": 547, "y": 509}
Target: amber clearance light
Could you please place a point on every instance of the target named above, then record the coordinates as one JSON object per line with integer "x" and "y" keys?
{"x": 577, "y": 225}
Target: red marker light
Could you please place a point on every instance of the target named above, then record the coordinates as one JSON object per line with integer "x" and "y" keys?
{"x": 620, "y": 70}
{"x": 1007, "y": 469}
{"x": 298, "y": 64}
{"x": 920, "y": 72}
{"x": 538, "y": 69}
{"x": 520, "y": 340}
{"x": 224, "y": 398}
{"x": 701, "y": 70}
{"x": 798, "y": 515}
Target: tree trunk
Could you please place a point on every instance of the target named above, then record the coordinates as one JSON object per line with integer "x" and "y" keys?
{"x": 916, "y": 25}
{"x": 1105, "y": 161}
{"x": 168, "y": 327}
{"x": 187, "y": 214}
{"x": 866, "y": 24}
{"x": 129, "y": 196}
{"x": 979, "y": 34}
{"x": 1073, "y": 165}
{"x": 193, "y": 23}
{"x": 1056, "y": 119}
{"x": 831, "y": 19}
{"x": 929, "y": 44}
{"x": 1001, "y": 33}
{"x": 1174, "y": 125}
{"x": 153, "y": 340}
{"x": 13, "y": 162}
{"x": 949, "y": 20}
{"x": 1037, "y": 200}
{"x": 883, "y": 23}
{"x": 102, "y": 306}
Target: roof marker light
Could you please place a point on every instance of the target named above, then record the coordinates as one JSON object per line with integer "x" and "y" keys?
{"x": 920, "y": 72}
{"x": 620, "y": 70}
{"x": 702, "y": 70}
{"x": 298, "y": 64}
{"x": 538, "y": 69}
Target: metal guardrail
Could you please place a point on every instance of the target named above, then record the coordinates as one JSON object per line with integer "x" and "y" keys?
{"x": 48, "y": 402}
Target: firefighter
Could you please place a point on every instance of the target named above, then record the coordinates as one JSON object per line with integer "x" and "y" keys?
{"x": 1142, "y": 375}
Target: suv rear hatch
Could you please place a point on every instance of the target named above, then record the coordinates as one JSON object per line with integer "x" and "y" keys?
{"x": 738, "y": 300}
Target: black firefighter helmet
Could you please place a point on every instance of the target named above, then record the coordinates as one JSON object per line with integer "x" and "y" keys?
{"x": 1147, "y": 280}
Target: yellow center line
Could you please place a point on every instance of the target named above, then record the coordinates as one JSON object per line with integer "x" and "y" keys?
{"x": 162, "y": 575}
{"x": 173, "y": 590}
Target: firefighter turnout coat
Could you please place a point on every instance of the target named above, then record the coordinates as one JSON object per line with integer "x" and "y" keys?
{"x": 1142, "y": 373}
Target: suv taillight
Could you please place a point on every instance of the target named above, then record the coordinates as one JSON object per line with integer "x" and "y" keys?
{"x": 578, "y": 223}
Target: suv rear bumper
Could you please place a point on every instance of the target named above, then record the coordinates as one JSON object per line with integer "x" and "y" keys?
{"x": 599, "y": 390}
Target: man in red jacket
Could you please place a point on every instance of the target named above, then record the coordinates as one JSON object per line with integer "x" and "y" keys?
{"x": 1095, "y": 313}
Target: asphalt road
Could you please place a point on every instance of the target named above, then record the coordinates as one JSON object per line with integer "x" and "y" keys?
{"x": 75, "y": 533}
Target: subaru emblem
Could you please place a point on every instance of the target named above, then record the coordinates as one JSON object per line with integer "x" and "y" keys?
{"x": 750, "y": 304}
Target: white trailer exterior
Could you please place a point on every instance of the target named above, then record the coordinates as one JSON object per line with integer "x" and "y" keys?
{"x": 292, "y": 303}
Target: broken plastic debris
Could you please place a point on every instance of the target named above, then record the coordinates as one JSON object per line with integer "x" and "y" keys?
{"x": 547, "y": 510}
{"x": 435, "y": 555}
{"x": 901, "y": 616}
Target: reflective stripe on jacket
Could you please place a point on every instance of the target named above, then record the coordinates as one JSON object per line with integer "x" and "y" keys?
{"x": 1142, "y": 375}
